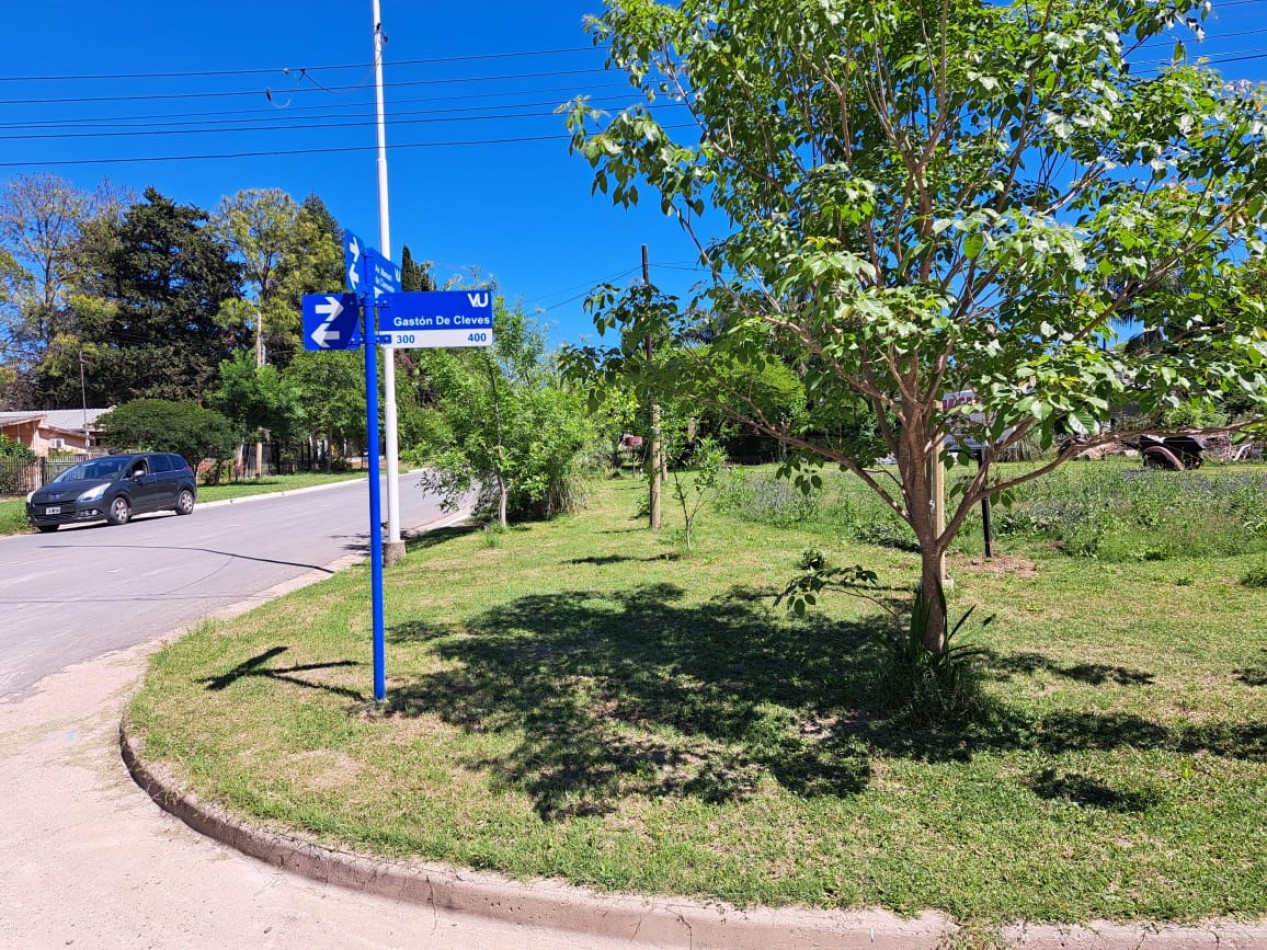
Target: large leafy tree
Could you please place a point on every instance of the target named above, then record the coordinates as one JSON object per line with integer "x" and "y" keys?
{"x": 930, "y": 197}
{"x": 332, "y": 390}
{"x": 162, "y": 425}
{"x": 261, "y": 227}
{"x": 260, "y": 398}
{"x": 152, "y": 286}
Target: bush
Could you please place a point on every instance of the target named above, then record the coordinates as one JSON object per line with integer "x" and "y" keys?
{"x": 160, "y": 425}
{"x": 13, "y": 449}
{"x": 1256, "y": 577}
{"x": 938, "y": 687}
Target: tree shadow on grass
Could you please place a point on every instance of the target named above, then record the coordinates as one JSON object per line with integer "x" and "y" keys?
{"x": 1093, "y": 674}
{"x": 1089, "y": 793}
{"x": 255, "y": 668}
{"x": 640, "y": 692}
{"x": 438, "y": 536}
{"x": 1254, "y": 675}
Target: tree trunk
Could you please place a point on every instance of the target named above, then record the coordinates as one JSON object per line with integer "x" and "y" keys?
{"x": 503, "y": 495}
{"x": 932, "y": 595}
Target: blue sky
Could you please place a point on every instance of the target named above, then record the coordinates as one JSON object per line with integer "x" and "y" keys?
{"x": 479, "y": 72}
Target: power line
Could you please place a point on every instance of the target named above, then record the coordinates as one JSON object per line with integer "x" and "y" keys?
{"x": 154, "y": 97}
{"x": 283, "y": 121}
{"x": 276, "y": 112}
{"x": 289, "y": 70}
{"x": 157, "y": 133}
{"x": 301, "y": 151}
{"x": 589, "y": 285}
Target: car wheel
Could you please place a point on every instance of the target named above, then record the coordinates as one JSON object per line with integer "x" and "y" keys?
{"x": 185, "y": 502}
{"x": 120, "y": 511}
{"x": 45, "y": 528}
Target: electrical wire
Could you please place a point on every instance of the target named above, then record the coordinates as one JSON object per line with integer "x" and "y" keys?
{"x": 158, "y": 133}
{"x": 288, "y": 70}
{"x": 274, "y": 112}
{"x": 155, "y": 97}
{"x": 330, "y": 150}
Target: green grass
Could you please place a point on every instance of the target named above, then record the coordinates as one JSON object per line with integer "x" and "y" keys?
{"x": 13, "y": 513}
{"x": 13, "y": 516}
{"x": 577, "y": 700}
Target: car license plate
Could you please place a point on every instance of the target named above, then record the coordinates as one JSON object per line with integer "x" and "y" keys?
{"x": 55, "y": 510}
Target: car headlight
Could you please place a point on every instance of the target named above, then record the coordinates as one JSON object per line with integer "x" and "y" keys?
{"x": 93, "y": 494}
{"x": 30, "y": 495}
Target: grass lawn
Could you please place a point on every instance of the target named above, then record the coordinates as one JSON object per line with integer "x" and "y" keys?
{"x": 578, "y": 700}
{"x": 13, "y": 512}
{"x": 13, "y": 517}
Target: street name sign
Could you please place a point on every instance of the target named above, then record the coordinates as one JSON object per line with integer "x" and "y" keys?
{"x": 436, "y": 318}
{"x": 332, "y": 322}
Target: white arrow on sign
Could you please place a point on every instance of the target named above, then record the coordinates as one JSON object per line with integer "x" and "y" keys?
{"x": 354, "y": 272}
{"x": 323, "y": 336}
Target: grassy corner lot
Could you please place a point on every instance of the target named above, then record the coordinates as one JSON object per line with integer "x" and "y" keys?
{"x": 13, "y": 512}
{"x": 573, "y": 700}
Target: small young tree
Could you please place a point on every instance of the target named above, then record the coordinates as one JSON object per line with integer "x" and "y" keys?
{"x": 503, "y": 423}
{"x": 694, "y": 481}
{"x": 933, "y": 197}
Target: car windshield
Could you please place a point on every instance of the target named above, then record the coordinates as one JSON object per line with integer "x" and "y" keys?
{"x": 95, "y": 469}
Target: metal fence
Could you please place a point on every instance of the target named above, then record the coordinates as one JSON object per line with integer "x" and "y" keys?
{"x": 18, "y": 476}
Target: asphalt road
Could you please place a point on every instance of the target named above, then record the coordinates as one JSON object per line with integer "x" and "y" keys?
{"x": 84, "y": 591}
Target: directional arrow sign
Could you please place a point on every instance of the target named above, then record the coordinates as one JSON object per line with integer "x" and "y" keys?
{"x": 437, "y": 318}
{"x": 353, "y": 250}
{"x": 332, "y": 322}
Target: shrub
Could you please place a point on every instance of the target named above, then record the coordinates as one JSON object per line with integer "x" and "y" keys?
{"x": 13, "y": 449}
{"x": 1256, "y": 576}
{"x": 160, "y": 425}
{"x": 939, "y": 687}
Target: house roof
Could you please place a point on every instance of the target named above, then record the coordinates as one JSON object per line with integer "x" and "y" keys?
{"x": 69, "y": 420}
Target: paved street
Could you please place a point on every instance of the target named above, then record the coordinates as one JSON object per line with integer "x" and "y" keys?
{"x": 81, "y": 592}
{"x": 86, "y": 859}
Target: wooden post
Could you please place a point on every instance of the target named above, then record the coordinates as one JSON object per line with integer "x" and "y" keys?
{"x": 987, "y": 525}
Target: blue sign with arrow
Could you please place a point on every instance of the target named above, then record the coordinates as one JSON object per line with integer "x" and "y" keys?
{"x": 436, "y": 318}
{"x": 353, "y": 261}
{"x": 332, "y": 322}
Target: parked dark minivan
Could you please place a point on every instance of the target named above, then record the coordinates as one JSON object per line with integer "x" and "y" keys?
{"x": 113, "y": 489}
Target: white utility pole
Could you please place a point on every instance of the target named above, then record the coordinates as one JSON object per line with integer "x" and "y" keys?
{"x": 395, "y": 548}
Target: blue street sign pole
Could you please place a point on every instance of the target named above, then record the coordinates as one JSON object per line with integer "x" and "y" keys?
{"x": 376, "y": 518}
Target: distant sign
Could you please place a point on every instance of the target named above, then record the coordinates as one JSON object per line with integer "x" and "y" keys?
{"x": 437, "y": 318}
{"x": 331, "y": 322}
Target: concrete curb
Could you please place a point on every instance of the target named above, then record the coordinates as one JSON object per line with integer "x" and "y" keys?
{"x": 544, "y": 903}
{"x": 283, "y": 494}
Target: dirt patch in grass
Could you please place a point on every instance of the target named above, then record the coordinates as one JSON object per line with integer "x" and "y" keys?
{"x": 1001, "y": 564}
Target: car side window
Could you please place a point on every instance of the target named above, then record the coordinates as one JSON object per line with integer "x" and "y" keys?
{"x": 178, "y": 463}
{"x": 161, "y": 463}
